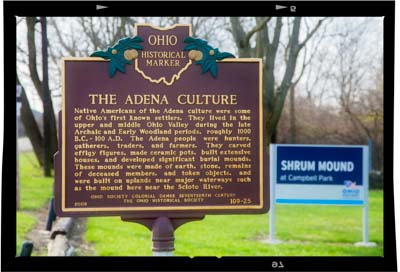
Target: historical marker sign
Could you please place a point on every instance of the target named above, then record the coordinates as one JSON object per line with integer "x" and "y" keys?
{"x": 167, "y": 135}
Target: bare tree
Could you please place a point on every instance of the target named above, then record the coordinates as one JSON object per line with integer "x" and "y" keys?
{"x": 41, "y": 89}
{"x": 49, "y": 146}
{"x": 343, "y": 89}
{"x": 266, "y": 47}
{"x": 31, "y": 127}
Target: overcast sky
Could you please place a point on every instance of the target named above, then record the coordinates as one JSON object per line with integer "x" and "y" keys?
{"x": 368, "y": 33}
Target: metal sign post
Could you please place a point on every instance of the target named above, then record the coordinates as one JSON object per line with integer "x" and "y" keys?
{"x": 163, "y": 229}
{"x": 367, "y": 159}
{"x": 272, "y": 239}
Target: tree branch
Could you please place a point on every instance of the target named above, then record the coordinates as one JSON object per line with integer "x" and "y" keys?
{"x": 310, "y": 34}
{"x": 257, "y": 28}
{"x": 71, "y": 51}
{"x": 30, "y": 23}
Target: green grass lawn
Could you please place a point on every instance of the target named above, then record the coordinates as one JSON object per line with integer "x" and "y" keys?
{"x": 35, "y": 188}
{"x": 35, "y": 191}
{"x": 304, "y": 230}
{"x": 24, "y": 223}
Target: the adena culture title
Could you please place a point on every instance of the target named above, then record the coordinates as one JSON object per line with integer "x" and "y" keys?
{"x": 150, "y": 99}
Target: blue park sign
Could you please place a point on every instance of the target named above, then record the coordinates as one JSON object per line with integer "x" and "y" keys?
{"x": 320, "y": 174}
{"x": 319, "y": 165}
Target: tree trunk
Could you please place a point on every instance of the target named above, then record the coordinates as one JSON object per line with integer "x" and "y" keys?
{"x": 240, "y": 36}
{"x": 280, "y": 96}
{"x": 47, "y": 104}
{"x": 269, "y": 78}
{"x": 292, "y": 116}
{"x": 31, "y": 128}
{"x": 19, "y": 90}
{"x": 30, "y": 24}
